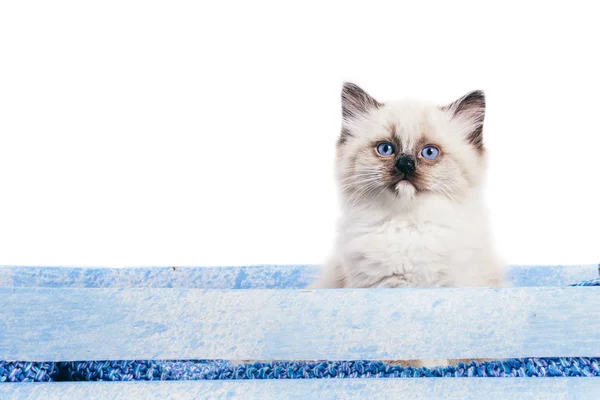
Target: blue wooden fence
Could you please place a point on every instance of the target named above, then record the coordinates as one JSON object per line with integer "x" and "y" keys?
{"x": 262, "y": 312}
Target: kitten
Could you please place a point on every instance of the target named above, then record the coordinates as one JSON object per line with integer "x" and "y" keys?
{"x": 410, "y": 177}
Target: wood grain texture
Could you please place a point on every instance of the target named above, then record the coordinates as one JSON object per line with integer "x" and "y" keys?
{"x": 46, "y": 324}
{"x": 322, "y": 389}
{"x": 250, "y": 277}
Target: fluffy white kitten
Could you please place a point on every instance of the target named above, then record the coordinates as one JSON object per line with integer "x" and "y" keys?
{"x": 410, "y": 178}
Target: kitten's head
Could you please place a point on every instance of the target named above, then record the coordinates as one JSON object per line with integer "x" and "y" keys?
{"x": 405, "y": 150}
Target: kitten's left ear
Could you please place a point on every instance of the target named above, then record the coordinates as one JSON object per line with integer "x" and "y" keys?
{"x": 355, "y": 101}
{"x": 471, "y": 109}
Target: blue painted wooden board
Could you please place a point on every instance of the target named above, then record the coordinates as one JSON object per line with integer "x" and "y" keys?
{"x": 252, "y": 277}
{"x": 48, "y": 324}
{"x": 348, "y": 389}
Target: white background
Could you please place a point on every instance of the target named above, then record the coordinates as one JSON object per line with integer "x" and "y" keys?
{"x": 202, "y": 133}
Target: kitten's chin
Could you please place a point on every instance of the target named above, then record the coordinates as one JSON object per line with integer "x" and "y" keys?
{"x": 405, "y": 190}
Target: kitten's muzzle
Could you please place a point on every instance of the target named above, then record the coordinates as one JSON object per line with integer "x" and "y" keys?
{"x": 405, "y": 164}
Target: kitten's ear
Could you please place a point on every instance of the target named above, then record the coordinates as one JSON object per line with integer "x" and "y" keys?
{"x": 471, "y": 109}
{"x": 356, "y": 102}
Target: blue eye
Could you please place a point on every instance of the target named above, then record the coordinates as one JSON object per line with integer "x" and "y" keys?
{"x": 430, "y": 152}
{"x": 385, "y": 148}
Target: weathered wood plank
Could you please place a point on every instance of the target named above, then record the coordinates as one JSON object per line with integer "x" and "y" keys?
{"x": 42, "y": 324}
{"x": 322, "y": 389}
{"x": 556, "y": 275}
{"x": 251, "y": 277}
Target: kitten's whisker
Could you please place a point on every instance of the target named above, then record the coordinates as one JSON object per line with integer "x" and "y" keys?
{"x": 360, "y": 176}
{"x": 372, "y": 191}
{"x": 372, "y": 174}
{"x": 445, "y": 190}
{"x": 358, "y": 182}
{"x": 355, "y": 196}
{"x": 361, "y": 194}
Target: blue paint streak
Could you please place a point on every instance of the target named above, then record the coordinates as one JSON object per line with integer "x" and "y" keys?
{"x": 240, "y": 279}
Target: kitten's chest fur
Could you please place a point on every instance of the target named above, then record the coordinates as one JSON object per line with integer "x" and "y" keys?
{"x": 436, "y": 245}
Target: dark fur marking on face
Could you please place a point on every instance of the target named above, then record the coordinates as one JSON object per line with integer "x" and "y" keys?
{"x": 392, "y": 130}
{"x": 344, "y": 136}
{"x": 422, "y": 177}
{"x": 471, "y": 106}
{"x": 420, "y": 145}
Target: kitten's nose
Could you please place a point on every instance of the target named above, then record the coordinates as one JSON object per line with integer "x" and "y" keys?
{"x": 405, "y": 164}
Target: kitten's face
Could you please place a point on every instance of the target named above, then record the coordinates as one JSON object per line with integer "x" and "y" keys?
{"x": 409, "y": 149}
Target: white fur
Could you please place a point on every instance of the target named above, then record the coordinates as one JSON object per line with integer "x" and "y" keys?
{"x": 434, "y": 243}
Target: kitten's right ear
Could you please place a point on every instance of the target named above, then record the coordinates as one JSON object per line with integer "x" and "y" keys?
{"x": 356, "y": 102}
{"x": 471, "y": 108}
